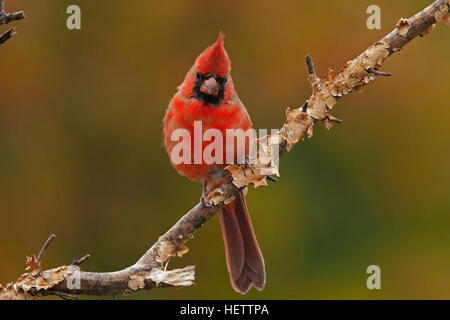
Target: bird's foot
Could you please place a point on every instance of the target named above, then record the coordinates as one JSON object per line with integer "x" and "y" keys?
{"x": 204, "y": 198}
{"x": 247, "y": 165}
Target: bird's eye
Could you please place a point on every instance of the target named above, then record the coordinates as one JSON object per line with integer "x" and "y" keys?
{"x": 221, "y": 80}
{"x": 199, "y": 75}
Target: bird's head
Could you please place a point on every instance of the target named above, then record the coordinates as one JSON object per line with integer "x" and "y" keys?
{"x": 209, "y": 79}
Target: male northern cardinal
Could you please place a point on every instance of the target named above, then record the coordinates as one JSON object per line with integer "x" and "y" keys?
{"x": 207, "y": 94}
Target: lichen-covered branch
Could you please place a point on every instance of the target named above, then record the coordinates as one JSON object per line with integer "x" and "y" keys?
{"x": 7, "y": 18}
{"x": 148, "y": 272}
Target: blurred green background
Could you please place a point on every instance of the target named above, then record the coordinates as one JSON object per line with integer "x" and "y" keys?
{"x": 81, "y": 150}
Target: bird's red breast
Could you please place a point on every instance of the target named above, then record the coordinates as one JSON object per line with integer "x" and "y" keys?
{"x": 207, "y": 94}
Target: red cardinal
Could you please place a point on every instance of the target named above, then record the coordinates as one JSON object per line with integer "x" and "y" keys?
{"x": 207, "y": 94}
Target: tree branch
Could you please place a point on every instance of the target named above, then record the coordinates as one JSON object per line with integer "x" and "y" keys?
{"x": 7, "y": 18}
{"x": 149, "y": 272}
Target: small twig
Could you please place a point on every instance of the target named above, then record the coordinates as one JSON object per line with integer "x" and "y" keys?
{"x": 310, "y": 65}
{"x": 304, "y": 107}
{"x": 7, "y": 35}
{"x": 63, "y": 295}
{"x": 378, "y": 73}
{"x": 44, "y": 247}
{"x": 77, "y": 262}
{"x": 334, "y": 119}
{"x": 7, "y": 18}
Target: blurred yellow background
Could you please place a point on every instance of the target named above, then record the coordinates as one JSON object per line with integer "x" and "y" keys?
{"x": 81, "y": 150}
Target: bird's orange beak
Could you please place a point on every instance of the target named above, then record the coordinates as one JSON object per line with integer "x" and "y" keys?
{"x": 210, "y": 87}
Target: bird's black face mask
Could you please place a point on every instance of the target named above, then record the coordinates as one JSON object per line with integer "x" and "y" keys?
{"x": 209, "y": 88}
